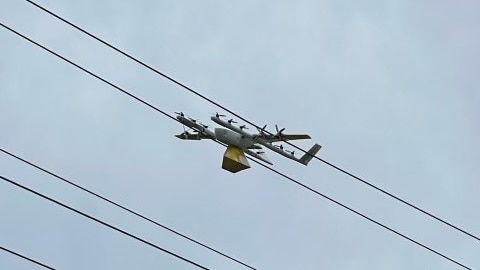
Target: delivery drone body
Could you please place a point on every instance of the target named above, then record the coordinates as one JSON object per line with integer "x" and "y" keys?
{"x": 239, "y": 142}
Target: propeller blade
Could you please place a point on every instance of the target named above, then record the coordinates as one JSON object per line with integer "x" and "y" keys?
{"x": 231, "y": 121}
{"x": 279, "y": 132}
{"x": 180, "y": 113}
{"x": 219, "y": 115}
{"x": 262, "y": 130}
{"x": 243, "y": 127}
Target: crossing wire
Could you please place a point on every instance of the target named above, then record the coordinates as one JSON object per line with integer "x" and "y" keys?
{"x": 72, "y": 183}
{"x": 103, "y": 223}
{"x": 361, "y": 180}
{"x": 271, "y": 169}
{"x": 26, "y": 258}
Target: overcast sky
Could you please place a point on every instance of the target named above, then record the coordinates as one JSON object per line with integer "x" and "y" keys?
{"x": 389, "y": 88}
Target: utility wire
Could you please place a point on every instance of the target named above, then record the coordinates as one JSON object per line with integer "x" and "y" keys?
{"x": 253, "y": 124}
{"x": 27, "y": 258}
{"x": 70, "y": 182}
{"x": 273, "y": 170}
{"x": 103, "y": 223}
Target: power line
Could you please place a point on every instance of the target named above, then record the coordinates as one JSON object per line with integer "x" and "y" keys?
{"x": 27, "y": 258}
{"x": 145, "y": 103}
{"x": 70, "y": 182}
{"x": 103, "y": 223}
{"x": 276, "y": 171}
{"x": 253, "y": 124}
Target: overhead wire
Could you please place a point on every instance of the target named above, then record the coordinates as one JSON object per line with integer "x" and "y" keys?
{"x": 271, "y": 169}
{"x": 26, "y": 258}
{"x": 10, "y": 181}
{"x": 361, "y": 180}
{"x": 72, "y": 183}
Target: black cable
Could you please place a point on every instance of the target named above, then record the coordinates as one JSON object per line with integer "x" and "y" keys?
{"x": 253, "y": 124}
{"x": 103, "y": 223}
{"x": 125, "y": 208}
{"x": 277, "y": 172}
{"x": 145, "y": 103}
{"x": 27, "y": 258}
{"x": 362, "y": 215}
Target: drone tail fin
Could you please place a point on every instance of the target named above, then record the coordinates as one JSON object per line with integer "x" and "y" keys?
{"x": 305, "y": 159}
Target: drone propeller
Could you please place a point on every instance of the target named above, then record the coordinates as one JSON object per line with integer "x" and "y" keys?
{"x": 291, "y": 152}
{"x": 180, "y": 113}
{"x": 219, "y": 115}
{"x": 260, "y": 152}
{"x": 203, "y": 125}
{"x": 231, "y": 121}
{"x": 243, "y": 127}
{"x": 279, "y": 132}
{"x": 279, "y": 146}
{"x": 262, "y": 130}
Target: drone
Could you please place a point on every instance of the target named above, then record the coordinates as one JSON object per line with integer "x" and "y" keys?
{"x": 241, "y": 143}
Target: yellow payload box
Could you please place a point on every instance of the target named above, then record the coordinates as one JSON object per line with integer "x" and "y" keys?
{"x": 234, "y": 159}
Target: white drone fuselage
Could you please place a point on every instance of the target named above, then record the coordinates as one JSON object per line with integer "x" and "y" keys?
{"x": 233, "y": 138}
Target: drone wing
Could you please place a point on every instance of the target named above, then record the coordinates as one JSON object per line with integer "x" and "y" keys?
{"x": 286, "y": 137}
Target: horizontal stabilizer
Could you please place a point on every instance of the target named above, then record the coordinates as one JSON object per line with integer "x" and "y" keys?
{"x": 305, "y": 159}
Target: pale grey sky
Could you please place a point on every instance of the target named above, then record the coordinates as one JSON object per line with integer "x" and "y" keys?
{"x": 389, "y": 88}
